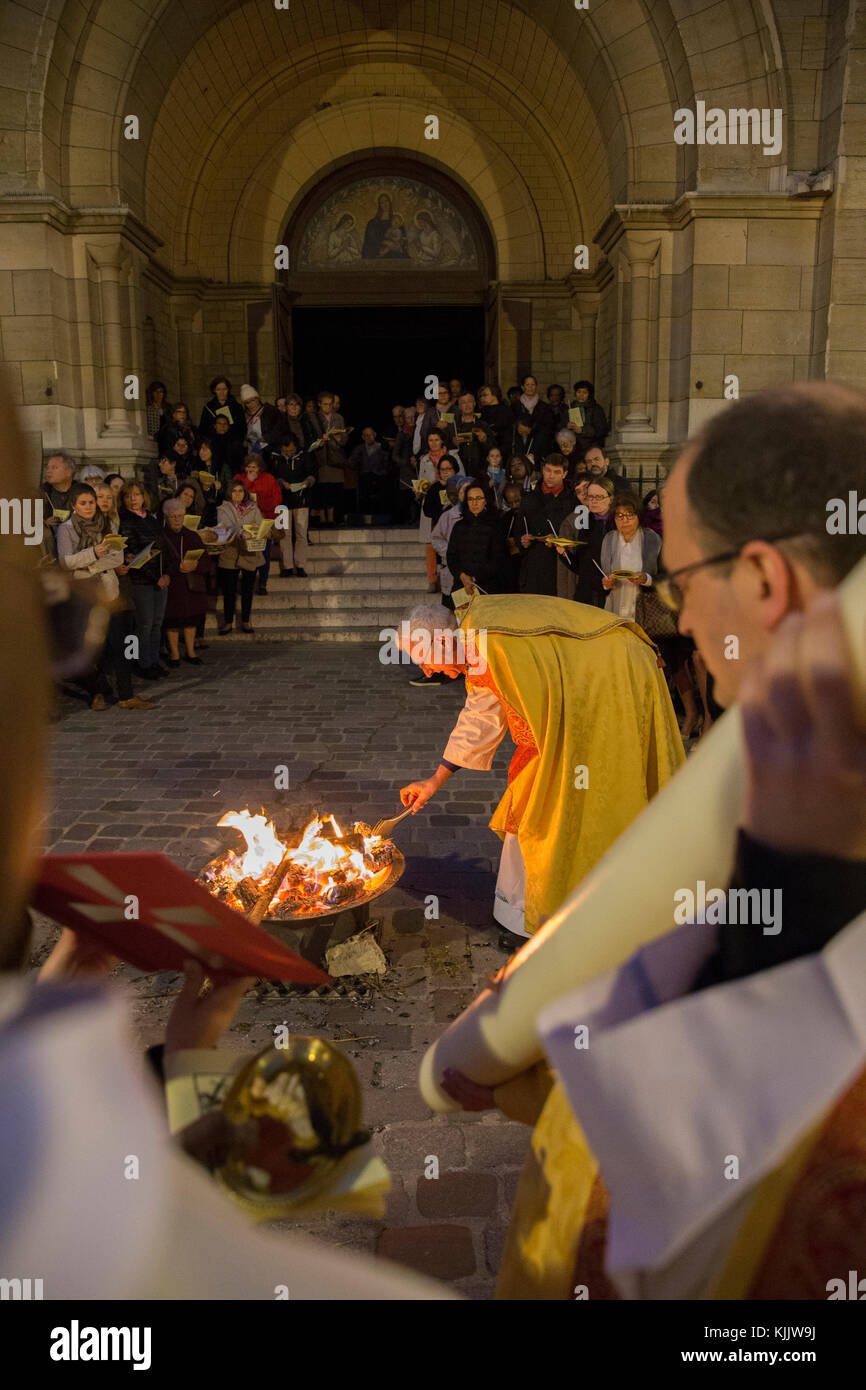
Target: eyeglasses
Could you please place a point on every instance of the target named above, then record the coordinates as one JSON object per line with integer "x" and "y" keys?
{"x": 624, "y": 516}
{"x": 671, "y": 592}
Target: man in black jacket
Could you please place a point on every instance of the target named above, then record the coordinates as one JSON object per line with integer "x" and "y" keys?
{"x": 296, "y": 474}
{"x": 544, "y": 511}
{"x": 596, "y": 462}
{"x": 498, "y": 417}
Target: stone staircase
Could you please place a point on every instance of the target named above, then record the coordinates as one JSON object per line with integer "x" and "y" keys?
{"x": 360, "y": 580}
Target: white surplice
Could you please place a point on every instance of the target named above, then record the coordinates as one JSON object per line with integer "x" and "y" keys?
{"x": 672, "y": 1085}
{"x": 481, "y": 726}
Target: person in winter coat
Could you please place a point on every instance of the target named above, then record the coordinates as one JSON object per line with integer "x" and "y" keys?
{"x": 262, "y": 420}
{"x": 330, "y": 429}
{"x": 594, "y": 429}
{"x": 578, "y": 576}
{"x": 223, "y": 403}
{"x": 148, "y": 582}
{"x": 544, "y": 511}
{"x": 428, "y": 471}
{"x": 440, "y": 536}
{"x": 180, "y": 427}
{"x": 511, "y": 524}
{"x": 534, "y": 423}
{"x": 204, "y": 461}
{"x": 228, "y": 453}
{"x": 476, "y": 551}
{"x": 237, "y": 564}
{"x": 83, "y": 550}
{"x": 187, "y": 588}
{"x": 264, "y": 487}
{"x": 436, "y": 498}
{"x": 497, "y": 416}
{"x": 295, "y": 473}
{"x": 632, "y": 548}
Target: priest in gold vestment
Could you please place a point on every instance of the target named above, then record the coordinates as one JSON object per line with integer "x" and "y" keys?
{"x": 595, "y": 735}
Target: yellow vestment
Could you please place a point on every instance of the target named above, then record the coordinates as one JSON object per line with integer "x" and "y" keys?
{"x": 596, "y": 733}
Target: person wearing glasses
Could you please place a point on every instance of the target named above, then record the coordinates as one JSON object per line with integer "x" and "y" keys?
{"x": 579, "y": 576}
{"x": 632, "y": 550}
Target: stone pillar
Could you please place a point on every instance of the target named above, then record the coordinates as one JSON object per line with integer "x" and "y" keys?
{"x": 640, "y": 336}
{"x": 587, "y": 304}
{"x": 113, "y": 264}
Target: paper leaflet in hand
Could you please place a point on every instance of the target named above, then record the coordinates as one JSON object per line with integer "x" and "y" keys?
{"x": 143, "y": 908}
{"x": 193, "y": 554}
{"x": 142, "y": 557}
{"x": 191, "y": 522}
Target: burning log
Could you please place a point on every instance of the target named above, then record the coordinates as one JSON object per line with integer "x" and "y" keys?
{"x": 327, "y": 868}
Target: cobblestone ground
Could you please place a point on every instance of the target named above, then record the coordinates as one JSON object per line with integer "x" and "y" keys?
{"x": 351, "y": 732}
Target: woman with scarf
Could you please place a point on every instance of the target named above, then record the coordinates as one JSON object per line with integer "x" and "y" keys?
{"x": 579, "y": 576}
{"x": 148, "y": 582}
{"x": 476, "y": 552}
{"x": 534, "y": 423}
{"x": 237, "y": 564}
{"x": 187, "y": 588}
{"x": 83, "y": 550}
{"x": 633, "y": 551}
{"x": 428, "y": 471}
{"x": 264, "y": 487}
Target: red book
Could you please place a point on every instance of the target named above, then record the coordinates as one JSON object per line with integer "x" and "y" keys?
{"x": 147, "y": 911}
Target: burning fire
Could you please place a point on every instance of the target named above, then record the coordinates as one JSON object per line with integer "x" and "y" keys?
{"x": 328, "y": 867}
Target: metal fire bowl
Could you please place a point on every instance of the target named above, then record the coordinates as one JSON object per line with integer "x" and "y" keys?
{"x": 310, "y": 934}
{"x": 395, "y": 873}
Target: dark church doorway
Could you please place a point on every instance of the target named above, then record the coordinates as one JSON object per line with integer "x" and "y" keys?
{"x": 378, "y": 357}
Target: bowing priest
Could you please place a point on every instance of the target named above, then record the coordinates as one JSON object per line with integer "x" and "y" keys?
{"x": 582, "y": 696}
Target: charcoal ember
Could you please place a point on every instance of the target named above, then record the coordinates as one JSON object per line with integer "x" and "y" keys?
{"x": 379, "y": 857}
{"x": 363, "y": 829}
{"x": 337, "y": 893}
{"x": 338, "y": 876}
{"x": 248, "y": 893}
{"x": 351, "y": 841}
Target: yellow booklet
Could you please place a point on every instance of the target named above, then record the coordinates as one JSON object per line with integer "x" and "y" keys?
{"x": 264, "y": 528}
{"x": 191, "y": 522}
{"x": 142, "y": 558}
{"x": 115, "y": 542}
{"x": 206, "y": 479}
{"x": 63, "y": 515}
{"x": 193, "y": 554}
{"x": 576, "y": 415}
{"x": 449, "y": 418}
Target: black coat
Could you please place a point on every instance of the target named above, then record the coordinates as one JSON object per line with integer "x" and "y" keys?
{"x": 589, "y": 588}
{"x": 477, "y": 548}
{"x": 541, "y": 511}
{"x": 596, "y": 428}
{"x": 141, "y": 531}
{"x": 294, "y": 470}
{"x": 228, "y": 456}
{"x": 499, "y": 419}
{"x": 238, "y": 428}
{"x": 542, "y": 423}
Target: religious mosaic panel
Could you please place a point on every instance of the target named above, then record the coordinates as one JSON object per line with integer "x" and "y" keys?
{"x": 389, "y": 220}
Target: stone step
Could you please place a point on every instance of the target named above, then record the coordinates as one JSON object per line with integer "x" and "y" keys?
{"x": 325, "y": 618}
{"x": 340, "y": 583}
{"x": 336, "y": 567}
{"x": 358, "y": 550}
{"x": 396, "y": 535}
{"x": 350, "y": 600}
{"x": 303, "y": 634}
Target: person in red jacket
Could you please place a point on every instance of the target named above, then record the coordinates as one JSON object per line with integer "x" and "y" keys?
{"x": 268, "y": 494}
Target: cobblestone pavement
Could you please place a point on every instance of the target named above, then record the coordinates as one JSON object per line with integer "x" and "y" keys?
{"x": 351, "y": 733}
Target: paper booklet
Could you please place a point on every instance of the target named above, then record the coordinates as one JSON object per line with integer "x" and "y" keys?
{"x": 206, "y": 479}
{"x": 576, "y": 415}
{"x": 260, "y": 532}
{"x": 193, "y": 554}
{"x": 114, "y": 542}
{"x": 297, "y": 487}
{"x": 141, "y": 559}
{"x": 197, "y": 1081}
{"x": 191, "y": 522}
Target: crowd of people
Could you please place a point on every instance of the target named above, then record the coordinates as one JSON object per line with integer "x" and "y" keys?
{"x": 510, "y": 495}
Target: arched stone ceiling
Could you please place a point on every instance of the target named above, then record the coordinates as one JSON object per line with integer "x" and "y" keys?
{"x": 629, "y": 60}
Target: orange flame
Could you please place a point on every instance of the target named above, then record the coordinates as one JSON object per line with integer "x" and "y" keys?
{"x": 320, "y": 862}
